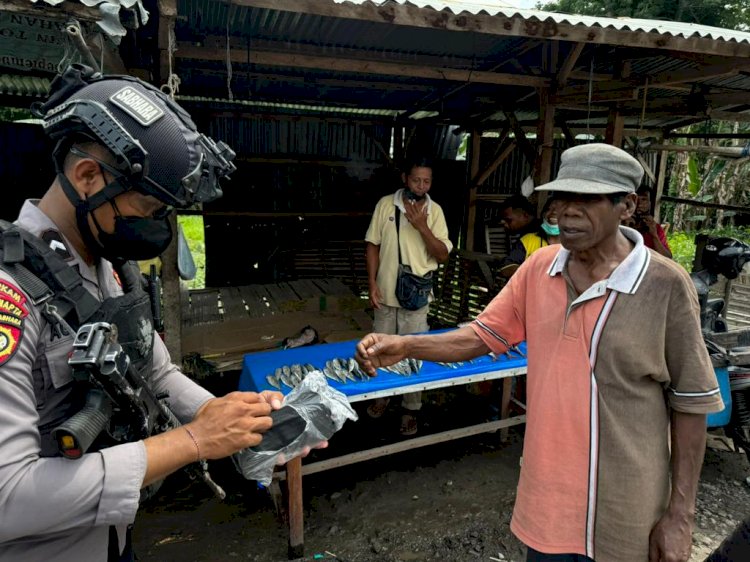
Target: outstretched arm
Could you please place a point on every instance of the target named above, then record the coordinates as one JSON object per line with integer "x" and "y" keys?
{"x": 380, "y": 350}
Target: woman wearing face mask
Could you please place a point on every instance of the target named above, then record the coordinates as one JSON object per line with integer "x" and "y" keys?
{"x": 547, "y": 233}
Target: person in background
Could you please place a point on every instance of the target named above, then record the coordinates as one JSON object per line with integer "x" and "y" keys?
{"x": 616, "y": 399}
{"x": 424, "y": 243}
{"x": 545, "y": 233}
{"x": 653, "y": 233}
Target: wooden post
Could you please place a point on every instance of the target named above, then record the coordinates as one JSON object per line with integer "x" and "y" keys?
{"x": 660, "y": 179}
{"x": 616, "y": 120}
{"x": 296, "y": 515}
{"x": 171, "y": 298}
{"x": 398, "y": 143}
{"x": 545, "y": 139}
{"x": 471, "y": 206}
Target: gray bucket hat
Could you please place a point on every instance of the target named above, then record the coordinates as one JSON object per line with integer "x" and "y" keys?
{"x": 596, "y": 168}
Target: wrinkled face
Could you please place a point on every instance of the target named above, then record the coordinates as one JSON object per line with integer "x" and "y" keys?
{"x": 588, "y": 221}
{"x": 515, "y": 220}
{"x": 418, "y": 181}
{"x": 643, "y": 206}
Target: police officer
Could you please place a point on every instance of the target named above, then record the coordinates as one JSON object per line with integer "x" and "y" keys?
{"x": 125, "y": 155}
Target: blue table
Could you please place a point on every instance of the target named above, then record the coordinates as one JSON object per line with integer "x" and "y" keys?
{"x": 256, "y": 366}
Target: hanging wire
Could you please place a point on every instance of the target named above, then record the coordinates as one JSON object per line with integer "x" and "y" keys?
{"x": 230, "y": 95}
{"x": 101, "y": 53}
{"x": 643, "y": 109}
{"x": 591, "y": 93}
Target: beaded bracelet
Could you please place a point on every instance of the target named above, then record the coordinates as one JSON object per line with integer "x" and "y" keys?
{"x": 195, "y": 441}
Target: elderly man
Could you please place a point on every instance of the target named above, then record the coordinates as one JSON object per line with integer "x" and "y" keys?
{"x": 606, "y": 382}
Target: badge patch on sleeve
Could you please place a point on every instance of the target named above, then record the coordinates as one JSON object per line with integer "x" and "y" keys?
{"x": 12, "y": 302}
{"x": 13, "y": 310}
{"x": 9, "y": 338}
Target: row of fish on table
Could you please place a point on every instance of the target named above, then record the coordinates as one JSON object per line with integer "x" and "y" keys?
{"x": 340, "y": 370}
{"x": 343, "y": 370}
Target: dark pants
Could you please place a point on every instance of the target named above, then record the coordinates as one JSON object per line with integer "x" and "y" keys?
{"x": 536, "y": 556}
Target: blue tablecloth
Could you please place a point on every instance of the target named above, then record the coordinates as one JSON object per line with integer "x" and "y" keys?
{"x": 256, "y": 366}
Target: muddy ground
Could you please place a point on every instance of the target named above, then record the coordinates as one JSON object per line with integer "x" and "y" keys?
{"x": 447, "y": 502}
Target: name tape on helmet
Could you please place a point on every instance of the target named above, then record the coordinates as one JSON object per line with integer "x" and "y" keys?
{"x": 136, "y": 105}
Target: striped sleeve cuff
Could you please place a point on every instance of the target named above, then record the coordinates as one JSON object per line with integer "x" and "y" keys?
{"x": 490, "y": 337}
{"x": 696, "y": 402}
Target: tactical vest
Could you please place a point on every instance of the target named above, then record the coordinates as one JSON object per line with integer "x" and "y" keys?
{"x": 57, "y": 290}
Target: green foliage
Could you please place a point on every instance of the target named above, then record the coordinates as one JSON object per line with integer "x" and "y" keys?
{"x": 192, "y": 228}
{"x": 14, "y": 114}
{"x": 731, "y": 14}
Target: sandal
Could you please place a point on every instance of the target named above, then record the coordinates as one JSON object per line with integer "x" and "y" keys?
{"x": 409, "y": 425}
{"x": 378, "y": 408}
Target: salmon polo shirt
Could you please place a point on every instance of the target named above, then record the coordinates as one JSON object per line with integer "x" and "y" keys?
{"x": 604, "y": 369}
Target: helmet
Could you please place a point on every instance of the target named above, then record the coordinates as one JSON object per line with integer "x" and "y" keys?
{"x": 725, "y": 256}
{"x": 157, "y": 148}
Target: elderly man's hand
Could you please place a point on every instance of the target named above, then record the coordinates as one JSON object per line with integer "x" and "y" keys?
{"x": 416, "y": 214}
{"x": 379, "y": 350}
{"x": 671, "y": 538}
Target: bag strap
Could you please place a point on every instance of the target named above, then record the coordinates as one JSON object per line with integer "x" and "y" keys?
{"x": 398, "y": 228}
{"x": 47, "y": 279}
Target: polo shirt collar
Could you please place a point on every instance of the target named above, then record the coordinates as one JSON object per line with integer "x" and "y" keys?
{"x": 398, "y": 200}
{"x": 627, "y": 277}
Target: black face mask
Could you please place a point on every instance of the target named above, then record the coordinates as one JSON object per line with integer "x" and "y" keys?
{"x": 413, "y": 196}
{"x": 136, "y": 238}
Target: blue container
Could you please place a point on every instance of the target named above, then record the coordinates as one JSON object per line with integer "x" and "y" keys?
{"x": 720, "y": 419}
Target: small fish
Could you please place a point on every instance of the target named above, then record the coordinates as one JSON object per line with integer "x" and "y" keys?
{"x": 310, "y": 368}
{"x": 273, "y": 381}
{"x": 286, "y": 376}
{"x": 297, "y": 373}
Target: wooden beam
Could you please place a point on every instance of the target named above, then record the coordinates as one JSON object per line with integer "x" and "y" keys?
{"x": 729, "y": 116}
{"x": 671, "y": 135}
{"x": 570, "y": 61}
{"x": 172, "y": 313}
{"x": 523, "y": 142}
{"x": 721, "y": 151}
{"x": 707, "y": 205}
{"x": 569, "y": 136}
{"x": 503, "y": 153}
{"x": 660, "y": 181}
{"x": 545, "y": 139}
{"x": 499, "y": 24}
{"x": 471, "y": 213}
{"x": 329, "y": 64}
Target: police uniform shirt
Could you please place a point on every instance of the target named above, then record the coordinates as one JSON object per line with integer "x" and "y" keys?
{"x": 53, "y": 508}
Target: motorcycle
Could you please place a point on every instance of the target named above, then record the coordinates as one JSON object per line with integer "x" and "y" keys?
{"x": 729, "y": 349}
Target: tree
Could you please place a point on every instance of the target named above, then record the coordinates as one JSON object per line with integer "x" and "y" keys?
{"x": 731, "y": 14}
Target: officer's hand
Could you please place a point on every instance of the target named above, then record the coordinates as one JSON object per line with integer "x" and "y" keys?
{"x": 416, "y": 215}
{"x": 379, "y": 350}
{"x": 233, "y": 422}
{"x": 671, "y": 538}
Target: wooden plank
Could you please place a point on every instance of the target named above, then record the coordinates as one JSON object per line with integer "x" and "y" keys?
{"x": 569, "y": 64}
{"x": 660, "y": 181}
{"x": 406, "y": 445}
{"x": 471, "y": 204}
{"x": 338, "y": 64}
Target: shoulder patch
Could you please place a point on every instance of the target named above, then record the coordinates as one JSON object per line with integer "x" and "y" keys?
{"x": 138, "y": 106}
{"x": 55, "y": 241}
{"x": 10, "y": 336}
{"x": 13, "y": 296}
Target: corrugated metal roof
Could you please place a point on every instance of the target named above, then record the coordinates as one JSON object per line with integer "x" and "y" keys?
{"x": 20, "y": 85}
{"x": 673, "y": 28}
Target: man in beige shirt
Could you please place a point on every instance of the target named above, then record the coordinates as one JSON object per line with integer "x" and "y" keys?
{"x": 422, "y": 236}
